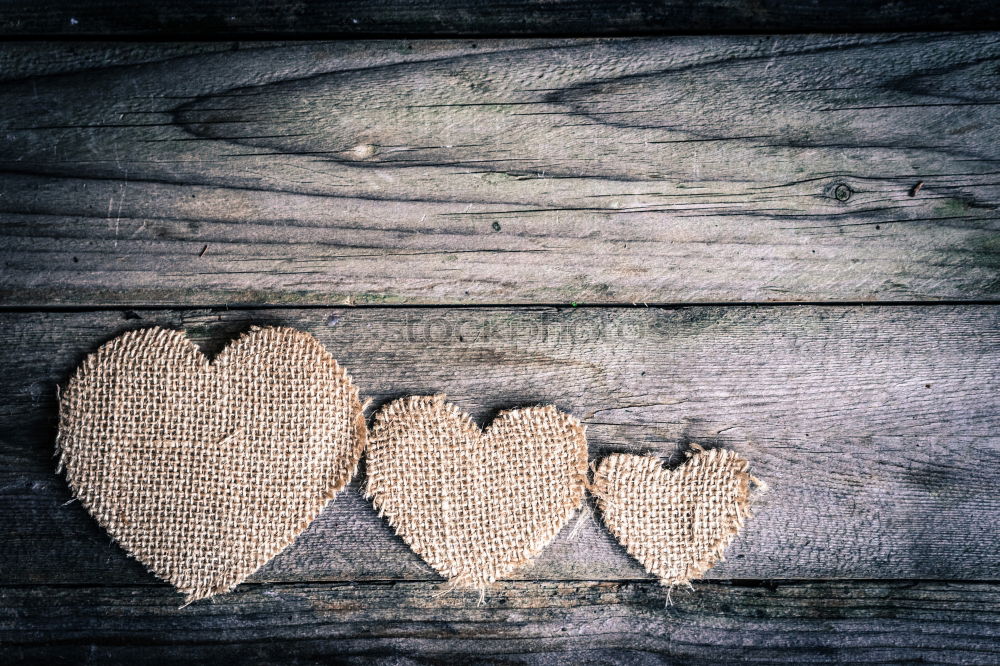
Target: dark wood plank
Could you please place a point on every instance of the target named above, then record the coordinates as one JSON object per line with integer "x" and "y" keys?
{"x": 423, "y": 18}
{"x": 534, "y": 622}
{"x": 699, "y": 169}
{"x": 876, "y": 427}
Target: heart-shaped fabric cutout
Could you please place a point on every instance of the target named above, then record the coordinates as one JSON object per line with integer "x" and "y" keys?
{"x": 676, "y": 523}
{"x": 204, "y": 471}
{"x": 475, "y": 504}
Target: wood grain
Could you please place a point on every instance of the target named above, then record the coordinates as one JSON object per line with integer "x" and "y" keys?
{"x": 425, "y": 18}
{"x": 694, "y": 169}
{"x": 534, "y": 623}
{"x": 876, "y": 428}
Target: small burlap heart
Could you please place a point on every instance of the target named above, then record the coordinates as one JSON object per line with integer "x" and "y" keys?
{"x": 677, "y": 523}
{"x": 475, "y": 504}
{"x": 203, "y": 471}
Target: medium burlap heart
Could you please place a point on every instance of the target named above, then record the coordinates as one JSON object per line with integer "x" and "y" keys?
{"x": 677, "y": 523}
{"x": 475, "y": 504}
{"x": 203, "y": 471}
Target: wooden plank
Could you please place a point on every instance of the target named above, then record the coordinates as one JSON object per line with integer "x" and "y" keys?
{"x": 535, "y": 622}
{"x": 424, "y": 18}
{"x": 876, "y": 428}
{"x": 696, "y": 169}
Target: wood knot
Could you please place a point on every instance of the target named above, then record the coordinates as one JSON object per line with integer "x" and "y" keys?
{"x": 362, "y": 151}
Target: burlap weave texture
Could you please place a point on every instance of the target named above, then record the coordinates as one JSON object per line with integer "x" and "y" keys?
{"x": 203, "y": 471}
{"x": 475, "y": 504}
{"x": 676, "y": 523}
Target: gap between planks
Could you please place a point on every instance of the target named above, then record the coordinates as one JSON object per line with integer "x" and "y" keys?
{"x": 236, "y": 307}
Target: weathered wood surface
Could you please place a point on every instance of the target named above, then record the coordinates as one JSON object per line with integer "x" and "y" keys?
{"x": 537, "y": 623}
{"x": 699, "y": 169}
{"x": 876, "y": 427}
{"x": 425, "y": 18}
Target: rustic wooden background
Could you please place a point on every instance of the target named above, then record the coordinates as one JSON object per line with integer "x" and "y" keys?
{"x": 784, "y": 244}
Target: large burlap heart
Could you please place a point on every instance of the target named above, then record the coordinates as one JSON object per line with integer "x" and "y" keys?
{"x": 203, "y": 471}
{"x": 475, "y": 505}
{"x": 677, "y": 523}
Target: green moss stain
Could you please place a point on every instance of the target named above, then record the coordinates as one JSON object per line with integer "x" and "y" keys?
{"x": 495, "y": 178}
{"x": 953, "y": 208}
{"x": 372, "y": 298}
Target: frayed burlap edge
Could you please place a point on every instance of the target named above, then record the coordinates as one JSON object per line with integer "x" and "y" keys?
{"x": 715, "y": 553}
{"x": 471, "y": 581}
{"x": 360, "y": 430}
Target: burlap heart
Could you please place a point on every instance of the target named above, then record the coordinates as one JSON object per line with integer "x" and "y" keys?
{"x": 677, "y": 523}
{"x": 475, "y": 504}
{"x": 203, "y": 471}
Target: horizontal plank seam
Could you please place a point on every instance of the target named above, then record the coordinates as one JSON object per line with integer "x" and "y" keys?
{"x": 592, "y": 32}
{"x": 481, "y": 306}
{"x": 382, "y": 582}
